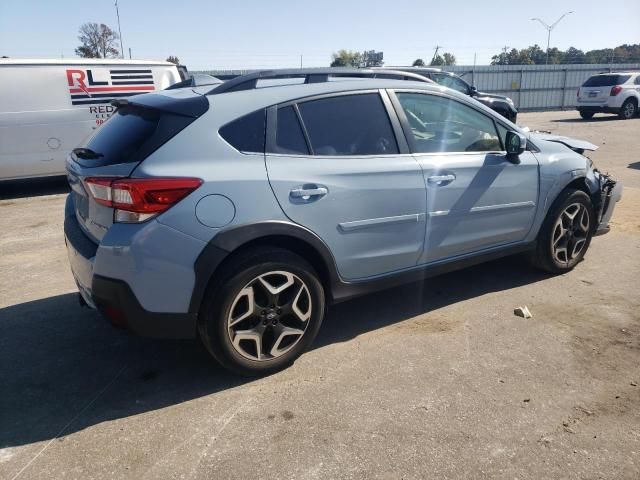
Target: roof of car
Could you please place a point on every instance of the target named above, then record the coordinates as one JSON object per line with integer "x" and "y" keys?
{"x": 616, "y": 73}
{"x": 270, "y": 95}
{"x": 231, "y": 105}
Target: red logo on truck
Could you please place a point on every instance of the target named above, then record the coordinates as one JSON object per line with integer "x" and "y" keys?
{"x": 87, "y": 90}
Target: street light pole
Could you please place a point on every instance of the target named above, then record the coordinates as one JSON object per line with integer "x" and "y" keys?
{"x": 119, "y": 31}
{"x": 549, "y": 29}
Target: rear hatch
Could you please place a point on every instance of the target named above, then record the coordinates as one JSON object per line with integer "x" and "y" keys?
{"x": 140, "y": 126}
{"x": 597, "y": 89}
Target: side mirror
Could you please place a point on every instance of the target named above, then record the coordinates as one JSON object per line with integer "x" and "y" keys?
{"x": 516, "y": 143}
{"x": 473, "y": 91}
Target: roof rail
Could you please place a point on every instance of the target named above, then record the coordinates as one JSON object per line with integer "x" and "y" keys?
{"x": 313, "y": 75}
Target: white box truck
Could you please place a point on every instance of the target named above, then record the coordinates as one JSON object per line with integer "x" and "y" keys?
{"x": 47, "y": 107}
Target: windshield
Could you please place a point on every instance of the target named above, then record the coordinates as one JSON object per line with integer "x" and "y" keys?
{"x": 451, "y": 82}
{"x": 130, "y": 135}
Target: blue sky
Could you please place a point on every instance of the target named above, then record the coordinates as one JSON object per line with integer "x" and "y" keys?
{"x": 264, "y": 34}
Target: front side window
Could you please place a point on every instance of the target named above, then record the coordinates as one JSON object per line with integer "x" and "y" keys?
{"x": 349, "y": 125}
{"x": 440, "y": 124}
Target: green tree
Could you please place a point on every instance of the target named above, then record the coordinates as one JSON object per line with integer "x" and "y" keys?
{"x": 445, "y": 59}
{"x": 449, "y": 58}
{"x": 98, "y": 41}
{"x": 173, "y": 59}
{"x": 574, "y": 55}
{"x": 346, "y": 58}
{"x": 418, "y": 62}
{"x": 534, "y": 55}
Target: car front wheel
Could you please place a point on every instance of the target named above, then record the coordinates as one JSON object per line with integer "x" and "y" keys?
{"x": 566, "y": 233}
{"x": 264, "y": 312}
{"x": 586, "y": 115}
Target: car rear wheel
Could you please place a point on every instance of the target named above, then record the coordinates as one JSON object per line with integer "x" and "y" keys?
{"x": 264, "y": 312}
{"x": 628, "y": 110}
{"x": 566, "y": 233}
{"x": 586, "y": 115}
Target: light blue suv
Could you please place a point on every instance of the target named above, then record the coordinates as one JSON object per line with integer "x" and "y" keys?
{"x": 237, "y": 213}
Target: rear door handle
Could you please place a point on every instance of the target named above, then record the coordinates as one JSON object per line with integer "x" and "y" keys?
{"x": 307, "y": 191}
{"x": 441, "y": 179}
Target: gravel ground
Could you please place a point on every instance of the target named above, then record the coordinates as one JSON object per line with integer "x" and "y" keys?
{"x": 432, "y": 380}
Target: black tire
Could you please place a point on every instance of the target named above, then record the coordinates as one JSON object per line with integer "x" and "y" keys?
{"x": 586, "y": 115}
{"x": 629, "y": 109}
{"x": 544, "y": 257}
{"x": 221, "y": 294}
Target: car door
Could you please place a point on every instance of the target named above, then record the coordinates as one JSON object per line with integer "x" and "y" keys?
{"x": 335, "y": 167}
{"x": 477, "y": 197}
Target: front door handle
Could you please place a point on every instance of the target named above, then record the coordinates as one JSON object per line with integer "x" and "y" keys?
{"x": 441, "y": 179}
{"x": 307, "y": 191}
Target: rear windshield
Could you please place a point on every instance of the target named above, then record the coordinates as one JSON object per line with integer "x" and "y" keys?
{"x": 606, "y": 80}
{"x": 130, "y": 135}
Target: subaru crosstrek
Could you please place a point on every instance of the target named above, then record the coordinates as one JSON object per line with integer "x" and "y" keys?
{"x": 237, "y": 213}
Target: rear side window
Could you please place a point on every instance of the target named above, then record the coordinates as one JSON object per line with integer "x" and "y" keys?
{"x": 246, "y": 134}
{"x": 606, "y": 80}
{"x": 289, "y": 135}
{"x": 130, "y": 135}
{"x": 349, "y": 125}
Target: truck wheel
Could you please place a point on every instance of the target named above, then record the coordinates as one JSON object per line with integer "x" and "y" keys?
{"x": 566, "y": 232}
{"x": 629, "y": 109}
{"x": 263, "y": 312}
{"x": 586, "y": 115}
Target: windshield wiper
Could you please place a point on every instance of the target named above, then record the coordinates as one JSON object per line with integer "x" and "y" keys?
{"x": 86, "y": 153}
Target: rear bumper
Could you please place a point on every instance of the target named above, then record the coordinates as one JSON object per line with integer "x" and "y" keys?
{"x": 81, "y": 252}
{"x": 117, "y": 302}
{"x": 597, "y": 109}
{"x": 114, "y": 298}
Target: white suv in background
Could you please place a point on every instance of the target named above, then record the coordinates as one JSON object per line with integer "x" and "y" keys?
{"x": 610, "y": 93}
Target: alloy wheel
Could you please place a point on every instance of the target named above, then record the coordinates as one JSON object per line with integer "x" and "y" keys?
{"x": 629, "y": 110}
{"x": 269, "y": 316}
{"x": 570, "y": 233}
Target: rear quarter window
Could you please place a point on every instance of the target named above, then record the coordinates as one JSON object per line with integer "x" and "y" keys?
{"x": 246, "y": 134}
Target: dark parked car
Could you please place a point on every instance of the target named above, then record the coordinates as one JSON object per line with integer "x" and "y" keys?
{"x": 503, "y": 105}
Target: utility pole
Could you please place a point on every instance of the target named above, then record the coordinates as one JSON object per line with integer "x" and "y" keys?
{"x": 129, "y": 53}
{"x": 505, "y": 49}
{"x": 120, "y": 31}
{"x": 435, "y": 54}
{"x": 613, "y": 51}
{"x": 300, "y": 60}
{"x": 549, "y": 29}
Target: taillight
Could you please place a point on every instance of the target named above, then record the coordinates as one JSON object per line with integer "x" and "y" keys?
{"x": 615, "y": 90}
{"x": 578, "y": 92}
{"x": 138, "y": 199}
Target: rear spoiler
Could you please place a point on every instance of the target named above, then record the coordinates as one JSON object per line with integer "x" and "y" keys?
{"x": 189, "y": 104}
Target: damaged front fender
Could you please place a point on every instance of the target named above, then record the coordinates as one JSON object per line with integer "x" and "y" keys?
{"x": 609, "y": 193}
